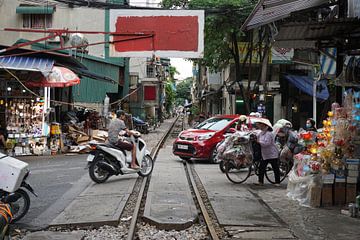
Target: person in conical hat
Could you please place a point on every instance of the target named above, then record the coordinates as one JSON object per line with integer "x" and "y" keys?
{"x": 269, "y": 150}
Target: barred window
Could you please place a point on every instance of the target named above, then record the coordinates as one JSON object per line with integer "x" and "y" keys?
{"x": 37, "y": 21}
{"x": 150, "y": 71}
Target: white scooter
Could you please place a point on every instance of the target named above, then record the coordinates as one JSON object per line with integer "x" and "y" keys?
{"x": 106, "y": 160}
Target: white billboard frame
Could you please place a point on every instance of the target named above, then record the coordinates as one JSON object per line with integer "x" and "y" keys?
{"x": 115, "y": 13}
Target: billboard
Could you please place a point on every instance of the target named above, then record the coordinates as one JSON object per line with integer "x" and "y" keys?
{"x": 167, "y": 33}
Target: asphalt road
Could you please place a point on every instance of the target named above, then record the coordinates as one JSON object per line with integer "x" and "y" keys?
{"x": 57, "y": 180}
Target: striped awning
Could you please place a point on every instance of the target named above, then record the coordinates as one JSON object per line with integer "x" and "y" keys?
{"x": 43, "y": 65}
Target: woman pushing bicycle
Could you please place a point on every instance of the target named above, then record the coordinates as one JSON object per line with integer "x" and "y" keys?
{"x": 269, "y": 150}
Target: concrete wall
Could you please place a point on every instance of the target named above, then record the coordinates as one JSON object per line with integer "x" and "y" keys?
{"x": 138, "y": 65}
{"x": 85, "y": 19}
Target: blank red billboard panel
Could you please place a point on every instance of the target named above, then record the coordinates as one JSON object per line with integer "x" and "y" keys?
{"x": 176, "y": 33}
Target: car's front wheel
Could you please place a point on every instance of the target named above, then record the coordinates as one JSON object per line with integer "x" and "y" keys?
{"x": 213, "y": 157}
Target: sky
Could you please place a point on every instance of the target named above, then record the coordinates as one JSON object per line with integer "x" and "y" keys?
{"x": 183, "y": 67}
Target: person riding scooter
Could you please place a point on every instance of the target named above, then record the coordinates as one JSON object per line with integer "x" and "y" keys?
{"x": 116, "y": 126}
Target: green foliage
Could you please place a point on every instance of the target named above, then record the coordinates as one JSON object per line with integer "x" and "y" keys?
{"x": 222, "y": 27}
{"x": 195, "y": 110}
{"x": 183, "y": 90}
{"x": 170, "y": 95}
{"x": 172, "y": 72}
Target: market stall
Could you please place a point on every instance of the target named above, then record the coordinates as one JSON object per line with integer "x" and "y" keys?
{"x": 326, "y": 173}
{"x": 25, "y": 107}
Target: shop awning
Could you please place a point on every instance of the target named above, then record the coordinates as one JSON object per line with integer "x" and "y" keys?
{"x": 43, "y": 65}
{"x": 60, "y": 59}
{"x": 305, "y": 84}
{"x": 35, "y": 9}
{"x": 59, "y": 77}
{"x": 267, "y": 11}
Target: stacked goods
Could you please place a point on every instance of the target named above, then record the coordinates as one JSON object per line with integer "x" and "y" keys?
{"x": 332, "y": 153}
{"x": 352, "y": 179}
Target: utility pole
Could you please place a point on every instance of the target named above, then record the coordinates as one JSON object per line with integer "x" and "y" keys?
{"x": 159, "y": 73}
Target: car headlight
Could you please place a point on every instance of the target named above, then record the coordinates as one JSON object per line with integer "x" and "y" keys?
{"x": 205, "y": 136}
{"x": 180, "y": 134}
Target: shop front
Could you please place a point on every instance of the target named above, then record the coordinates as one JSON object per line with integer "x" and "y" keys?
{"x": 25, "y": 97}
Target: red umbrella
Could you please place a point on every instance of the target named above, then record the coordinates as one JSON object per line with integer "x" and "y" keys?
{"x": 59, "y": 77}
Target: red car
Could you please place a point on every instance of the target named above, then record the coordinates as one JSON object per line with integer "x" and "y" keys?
{"x": 201, "y": 141}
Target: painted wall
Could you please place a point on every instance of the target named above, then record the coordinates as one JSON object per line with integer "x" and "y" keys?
{"x": 86, "y": 19}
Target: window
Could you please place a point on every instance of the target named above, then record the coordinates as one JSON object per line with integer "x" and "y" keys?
{"x": 215, "y": 124}
{"x": 37, "y": 20}
{"x": 150, "y": 71}
{"x": 133, "y": 79}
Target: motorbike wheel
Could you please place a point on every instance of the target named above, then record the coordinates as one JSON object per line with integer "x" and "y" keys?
{"x": 97, "y": 174}
{"x": 222, "y": 166}
{"x": 147, "y": 165}
{"x": 21, "y": 206}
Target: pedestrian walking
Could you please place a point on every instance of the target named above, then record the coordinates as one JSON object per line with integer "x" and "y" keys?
{"x": 269, "y": 150}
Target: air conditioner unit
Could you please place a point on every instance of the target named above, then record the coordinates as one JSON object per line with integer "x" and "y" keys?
{"x": 55, "y": 39}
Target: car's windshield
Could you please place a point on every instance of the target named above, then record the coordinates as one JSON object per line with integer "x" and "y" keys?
{"x": 214, "y": 123}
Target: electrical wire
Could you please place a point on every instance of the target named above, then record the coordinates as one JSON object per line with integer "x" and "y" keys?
{"x": 61, "y": 102}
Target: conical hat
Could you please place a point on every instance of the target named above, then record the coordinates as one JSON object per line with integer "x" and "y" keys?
{"x": 264, "y": 121}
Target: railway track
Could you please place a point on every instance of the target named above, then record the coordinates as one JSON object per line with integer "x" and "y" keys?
{"x": 206, "y": 216}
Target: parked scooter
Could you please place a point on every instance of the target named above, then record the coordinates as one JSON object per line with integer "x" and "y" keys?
{"x": 140, "y": 125}
{"x": 13, "y": 185}
{"x": 106, "y": 160}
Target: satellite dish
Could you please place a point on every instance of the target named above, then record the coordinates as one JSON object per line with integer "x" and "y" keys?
{"x": 78, "y": 39}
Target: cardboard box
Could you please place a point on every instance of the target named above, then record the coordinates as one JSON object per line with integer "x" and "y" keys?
{"x": 339, "y": 193}
{"x": 350, "y": 192}
{"x": 327, "y": 195}
{"x": 328, "y": 178}
{"x": 340, "y": 179}
{"x": 353, "y": 161}
{"x": 315, "y": 196}
{"x": 12, "y": 172}
{"x": 352, "y": 180}
{"x": 353, "y": 173}
{"x": 353, "y": 167}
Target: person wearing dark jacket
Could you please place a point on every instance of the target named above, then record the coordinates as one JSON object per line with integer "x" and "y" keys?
{"x": 310, "y": 125}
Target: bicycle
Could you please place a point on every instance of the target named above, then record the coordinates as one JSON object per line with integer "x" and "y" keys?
{"x": 238, "y": 171}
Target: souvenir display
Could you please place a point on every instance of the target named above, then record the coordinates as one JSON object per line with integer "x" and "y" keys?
{"x": 329, "y": 161}
{"x": 24, "y": 119}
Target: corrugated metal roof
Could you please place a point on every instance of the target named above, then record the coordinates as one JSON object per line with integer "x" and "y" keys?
{"x": 291, "y": 34}
{"x": 267, "y": 11}
{"x": 43, "y": 65}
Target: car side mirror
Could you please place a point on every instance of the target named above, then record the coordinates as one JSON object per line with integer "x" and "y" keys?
{"x": 231, "y": 130}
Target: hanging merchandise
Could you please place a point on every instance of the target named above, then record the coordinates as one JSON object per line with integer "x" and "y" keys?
{"x": 24, "y": 118}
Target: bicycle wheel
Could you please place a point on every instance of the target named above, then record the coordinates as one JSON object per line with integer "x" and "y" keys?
{"x": 284, "y": 170}
{"x": 237, "y": 174}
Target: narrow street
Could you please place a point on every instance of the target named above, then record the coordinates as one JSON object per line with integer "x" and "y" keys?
{"x": 179, "y": 120}
{"x": 242, "y": 211}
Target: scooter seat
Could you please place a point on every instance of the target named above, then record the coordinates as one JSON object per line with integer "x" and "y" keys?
{"x": 113, "y": 146}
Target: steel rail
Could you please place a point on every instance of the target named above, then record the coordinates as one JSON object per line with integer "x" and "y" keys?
{"x": 204, "y": 212}
{"x": 154, "y": 153}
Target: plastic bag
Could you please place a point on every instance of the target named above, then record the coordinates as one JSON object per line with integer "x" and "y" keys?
{"x": 298, "y": 187}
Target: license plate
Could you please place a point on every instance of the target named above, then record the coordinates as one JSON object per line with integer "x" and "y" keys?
{"x": 184, "y": 147}
{"x": 90, "y": 158}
